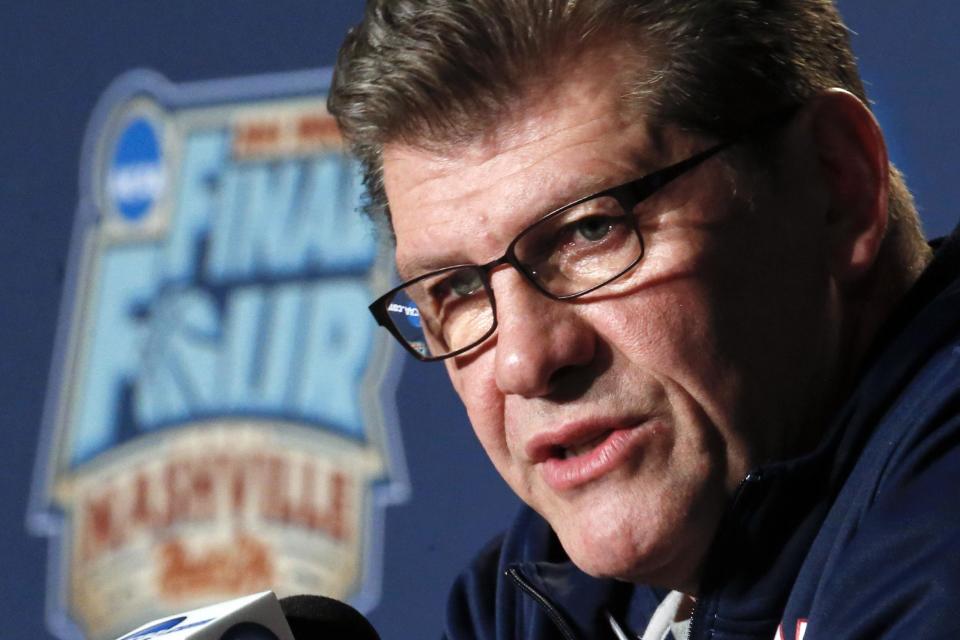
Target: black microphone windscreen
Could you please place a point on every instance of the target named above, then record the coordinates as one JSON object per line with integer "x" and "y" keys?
{"x": 320, "y": 618}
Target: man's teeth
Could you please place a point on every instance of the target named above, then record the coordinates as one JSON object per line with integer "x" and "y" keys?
{"x": 584, "y": 447}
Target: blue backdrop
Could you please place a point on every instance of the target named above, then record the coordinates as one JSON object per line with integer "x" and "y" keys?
{"x": 58, "y": 57}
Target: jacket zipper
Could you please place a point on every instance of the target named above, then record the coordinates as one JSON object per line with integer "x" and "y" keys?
{"x": 693, "y": 617}
{"x": 753, "y": 476}
{"x": 555, "y": 616}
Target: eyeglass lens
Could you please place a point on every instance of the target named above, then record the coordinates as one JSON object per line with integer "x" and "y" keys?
{"x": 579, "y": 248}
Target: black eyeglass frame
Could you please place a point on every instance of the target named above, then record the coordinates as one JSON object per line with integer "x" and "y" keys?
{"x": 628, "y": 195}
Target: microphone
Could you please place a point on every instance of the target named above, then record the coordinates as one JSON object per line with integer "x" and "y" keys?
{"x": 320, "y": 618}
{"x": 262, "y": 617}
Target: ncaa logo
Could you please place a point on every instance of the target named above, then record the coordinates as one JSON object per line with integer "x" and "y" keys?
{"x": 220, "y": 417}
{"x": 136, "y": 176}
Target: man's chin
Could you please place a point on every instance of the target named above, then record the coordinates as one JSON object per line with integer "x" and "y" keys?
{"x": 624, "y": 558}
{"x": 614, "y": 569}
{"x": 603, "y": 560}
{"x": 642, "y": 572}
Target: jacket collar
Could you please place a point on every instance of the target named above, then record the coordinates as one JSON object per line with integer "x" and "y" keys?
{"x": 584, "y": 601}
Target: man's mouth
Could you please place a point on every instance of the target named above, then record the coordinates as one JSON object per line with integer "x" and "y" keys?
{"x": 580, "y": 448}
{"x": 575, "y": 439}
{"x": 579, "y": 454}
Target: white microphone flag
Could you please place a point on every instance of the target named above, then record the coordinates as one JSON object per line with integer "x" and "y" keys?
{"x": 253, "y": 617}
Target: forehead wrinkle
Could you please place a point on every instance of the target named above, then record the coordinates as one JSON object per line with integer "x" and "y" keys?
{"x": 571, "y": 185}
{"x": 485, "y": 155}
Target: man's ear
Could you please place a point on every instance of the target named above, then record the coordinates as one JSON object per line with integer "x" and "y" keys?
{"x": 853, "y": 162}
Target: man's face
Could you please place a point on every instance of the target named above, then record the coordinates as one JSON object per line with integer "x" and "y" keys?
{"x": 626, "y": 419}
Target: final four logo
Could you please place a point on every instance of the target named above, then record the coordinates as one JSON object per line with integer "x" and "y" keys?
{"x": 216, "y": 421}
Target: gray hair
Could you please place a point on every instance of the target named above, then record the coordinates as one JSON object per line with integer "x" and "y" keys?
{"x": 431, "y": 73}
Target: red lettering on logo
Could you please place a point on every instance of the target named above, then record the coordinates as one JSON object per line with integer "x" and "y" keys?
{"x": 236, "y": 567}
{"x": 100, "y": 531}
{"x": 292, "y": 491}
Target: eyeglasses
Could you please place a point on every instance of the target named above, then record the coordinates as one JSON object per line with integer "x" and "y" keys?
{"x": 567, "y": 253}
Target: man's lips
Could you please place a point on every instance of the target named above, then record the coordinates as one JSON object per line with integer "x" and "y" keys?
{"x": 581, "y": 452}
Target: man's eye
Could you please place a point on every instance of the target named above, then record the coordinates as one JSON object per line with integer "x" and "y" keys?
{"x": 594, "y": 228}
{"x": 466, "y": 283}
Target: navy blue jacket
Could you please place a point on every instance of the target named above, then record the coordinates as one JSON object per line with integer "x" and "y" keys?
{"x": 858, "y": 539}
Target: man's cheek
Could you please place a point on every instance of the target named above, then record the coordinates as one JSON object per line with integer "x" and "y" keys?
{"x": 490, "y": 429}
{"x": 483, "y": 402}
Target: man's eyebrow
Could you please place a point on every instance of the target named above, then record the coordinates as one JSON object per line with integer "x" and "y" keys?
{"x": 419, "y": 265}
{"x": 579, "y": 187}
{"x": 409, "y": 270}
{"x": 584, "y": 185}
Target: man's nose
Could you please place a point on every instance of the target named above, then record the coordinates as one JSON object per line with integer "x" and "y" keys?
{"x": 538, "y": 339}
